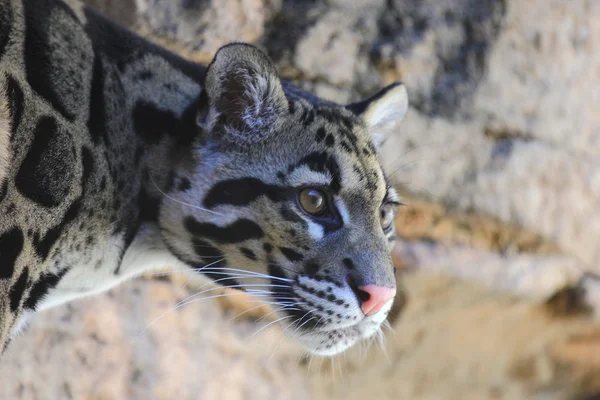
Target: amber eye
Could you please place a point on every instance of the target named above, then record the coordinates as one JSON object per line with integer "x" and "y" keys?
{"x": 386, "y": 216}
{"x": 313, "y": 201}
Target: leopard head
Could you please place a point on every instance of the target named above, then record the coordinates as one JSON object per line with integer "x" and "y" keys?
{"x": 286, "y": 198}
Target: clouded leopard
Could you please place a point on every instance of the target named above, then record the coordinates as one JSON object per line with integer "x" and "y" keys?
{"x": 119, "y": 157}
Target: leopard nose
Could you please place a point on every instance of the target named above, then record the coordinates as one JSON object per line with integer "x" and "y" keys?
{"x": 374, "y": 297}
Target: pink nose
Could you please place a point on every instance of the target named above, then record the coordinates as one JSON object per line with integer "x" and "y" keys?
{"x": 378, "y": 297}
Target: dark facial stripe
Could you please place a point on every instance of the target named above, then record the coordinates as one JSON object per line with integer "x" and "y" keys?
{"x": 41, "y": 288}
{"x": 242, "y": 192}
{"x": 206, "y": 251}
{"x": 236, "y": 232}
{"x": 291, "y": 255}
{"x": 248, "y": 253}
{"x": 11, "y": 245}
{"x": 16, "y": 292}
{"x": 323, "y": 163}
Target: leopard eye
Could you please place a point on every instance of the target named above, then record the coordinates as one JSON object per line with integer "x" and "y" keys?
{"x": 313, "y": 201}
{"x": 386, "y": 216}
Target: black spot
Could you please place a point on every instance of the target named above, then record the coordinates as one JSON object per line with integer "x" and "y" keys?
{"x": 281, "y": 176}
{"x": 184, "y": 184}
{"x": 311, "y": 268}
{"x": 321, "y": 134}
{"x": 144, "y": 76}
{"x": 152, "y": 123}
{"x": 348, "y": 263}
{"x": 97, "y": 119}
{"x": 45, "y": 175}
{"x": 236, "y": 232}
{"x": 346, "y": 147}
{"x": 44, "y": 245}
{"x": 16, "y": 101}
{"x": 267, "y": 247}
{"x": 291, "y": 255}
{"x": 6, "y": 21}
{"x": 241, "y": 192}
{"x": 45, "y": 67}
{"x": 11, "y": 245}
{"x": 16, "y": 292}
{"x": 148, "y": 205}
{"x": 3, "y": 189}
{"x": 42, "y": 286}
{"x": 329, "y": 140}
{"x": 248, "y": 253}
{"x": 88, "y": 167}
{"x": 336, "y": 117}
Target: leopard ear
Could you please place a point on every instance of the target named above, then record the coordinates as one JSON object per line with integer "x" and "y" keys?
{"x": 383, "y": 111}
{"x": 243, "y": 97}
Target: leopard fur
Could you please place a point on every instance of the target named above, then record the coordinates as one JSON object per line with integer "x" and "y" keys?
{"x": 118, "y": 157}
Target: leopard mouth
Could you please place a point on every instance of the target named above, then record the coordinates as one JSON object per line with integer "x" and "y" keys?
{"x": 329, "y": 341}
{"x": 329, "y": 327}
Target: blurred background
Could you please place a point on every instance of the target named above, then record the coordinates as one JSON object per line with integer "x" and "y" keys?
{"x": 498, "y": 161}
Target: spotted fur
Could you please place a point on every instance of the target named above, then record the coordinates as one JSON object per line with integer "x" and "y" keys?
{"x": 118, "y": 157}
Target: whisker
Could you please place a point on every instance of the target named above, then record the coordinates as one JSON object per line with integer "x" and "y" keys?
{"x": 406, "y": 153}
{"x": 269, "y": 324}
{"x": 181, "y": 305}
{"x": 182, "y": 202}
{"x": 412, "y": 162}
{"x": 258, "y": 274}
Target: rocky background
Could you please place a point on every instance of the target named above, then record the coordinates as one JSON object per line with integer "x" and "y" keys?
{"x": 498, "y": 160}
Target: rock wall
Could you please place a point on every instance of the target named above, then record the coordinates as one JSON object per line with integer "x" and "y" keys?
{"x": 499, "y": 162}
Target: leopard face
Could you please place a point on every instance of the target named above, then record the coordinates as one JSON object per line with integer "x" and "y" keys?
{"x": 285, "y": 198}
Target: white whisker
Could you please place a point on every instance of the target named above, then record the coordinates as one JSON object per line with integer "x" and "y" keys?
{"x": 182, "y": 202}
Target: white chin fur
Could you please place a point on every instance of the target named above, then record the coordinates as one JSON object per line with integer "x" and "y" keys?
{"x": 330, "y": 343}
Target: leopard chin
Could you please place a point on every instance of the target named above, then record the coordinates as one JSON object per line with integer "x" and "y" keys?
{"x": 331, "y": 340}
